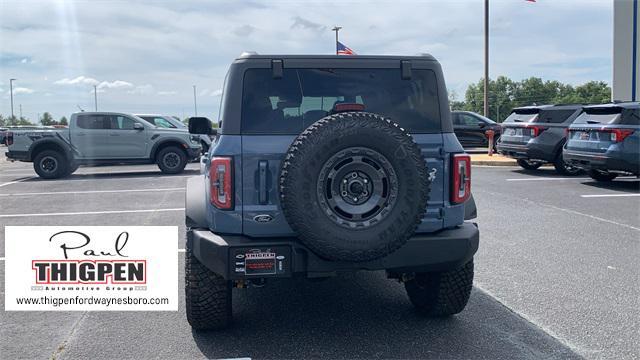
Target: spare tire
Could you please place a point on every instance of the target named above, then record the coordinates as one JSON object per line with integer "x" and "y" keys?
{"x": 354, "y": 186}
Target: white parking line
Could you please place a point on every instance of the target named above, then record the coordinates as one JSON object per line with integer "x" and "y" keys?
{"x": 90, "y": 212}
{"x": 608, "y": 195}
{"x": 16, "y": 181}
{"x": 547, "y": 179}
{"x": 1, "y": 259}
{"x": 92, "y": 192}
{"x": 561, "y": 178}
{"x": 181, "y": 250}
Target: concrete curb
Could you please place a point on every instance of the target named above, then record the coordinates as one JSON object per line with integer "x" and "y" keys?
{"x": 494, "y": 163}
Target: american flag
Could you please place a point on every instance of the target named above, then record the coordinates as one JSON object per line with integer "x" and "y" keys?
{"x": 344, "y": 50}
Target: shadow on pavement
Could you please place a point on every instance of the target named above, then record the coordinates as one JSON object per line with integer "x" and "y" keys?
{"x": 626, "y": 185}
{"x": 544, "y": 172}
{"x": 118, "y": 175}
{"x": 366, "y": 316}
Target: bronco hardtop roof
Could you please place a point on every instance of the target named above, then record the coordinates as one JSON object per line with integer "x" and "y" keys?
{"x": 423, "y": 57}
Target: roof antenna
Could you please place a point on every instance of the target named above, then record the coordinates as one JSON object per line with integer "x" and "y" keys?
{"x": 81, "y": 109}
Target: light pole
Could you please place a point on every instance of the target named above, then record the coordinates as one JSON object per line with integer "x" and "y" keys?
{"x": 95, "y": 97}
{"x": 336, "y": 29}
{"x": 195, "y": 104}
{"x": 20, "y": 111}
{"x": 11, "y": 91}
{"x": 486, "y": 58}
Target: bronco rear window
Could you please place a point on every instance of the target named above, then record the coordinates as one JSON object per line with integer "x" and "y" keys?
{"x": 609, "y": 115}
{"x": 290, "y": 104}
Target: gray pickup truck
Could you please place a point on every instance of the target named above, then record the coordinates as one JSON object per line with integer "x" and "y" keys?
{"x": 100, "y": 138}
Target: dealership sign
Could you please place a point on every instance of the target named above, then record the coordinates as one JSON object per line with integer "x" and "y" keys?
{"x": 87, "y": 268}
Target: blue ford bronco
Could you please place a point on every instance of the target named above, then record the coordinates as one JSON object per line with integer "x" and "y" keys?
{"x": 327, "y": 164}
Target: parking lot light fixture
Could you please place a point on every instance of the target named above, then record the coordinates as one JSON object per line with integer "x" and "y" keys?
{"x": 11, "y": 91}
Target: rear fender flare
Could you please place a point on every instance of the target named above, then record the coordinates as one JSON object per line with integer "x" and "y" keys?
{"x": 49, "y": 141}
{"x": 470, "y": 210}
{"x": 196, "y": 203}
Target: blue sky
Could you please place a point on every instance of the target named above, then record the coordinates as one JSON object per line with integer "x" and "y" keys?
{"x": 145, "y": 56}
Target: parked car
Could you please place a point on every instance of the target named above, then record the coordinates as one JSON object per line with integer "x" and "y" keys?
{"x": 327, "y": 164}
{"x": 3, "y": 133}
{"x": 535, "y": 135}
{"x": 605, "y": 141}
{"x": 471, "y": 128}
{"x": 102, "y": 138}
{"x": 172, "y": 122}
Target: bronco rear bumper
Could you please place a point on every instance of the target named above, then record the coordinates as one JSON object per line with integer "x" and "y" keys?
{"x": 226, "y": 254}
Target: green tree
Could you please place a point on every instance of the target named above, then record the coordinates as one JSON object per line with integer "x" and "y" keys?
{"x": 63, "y": 121}
{"x": 3, "y": 121}
{"x": 47, "y": 119}
{"x": 505, "y": 94}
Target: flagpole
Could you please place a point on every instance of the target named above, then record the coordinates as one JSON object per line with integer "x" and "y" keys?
{"x": 486, "y": 58}
{"x": 336, "y": 29}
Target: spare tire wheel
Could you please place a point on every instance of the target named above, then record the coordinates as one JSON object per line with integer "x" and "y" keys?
{"x": 354, "y": 186}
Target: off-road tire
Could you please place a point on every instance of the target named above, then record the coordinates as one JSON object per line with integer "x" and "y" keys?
{"x": 563, "y": 168}
{"x": 50, "y": 164}
{"x": 301, "y": 183}
{"x": 207, "y": 295}
{"x": 177, "y": 157}
{"x": 603, "y": 176}
{"x": 528, "y": 165}
{"x": 439, "y": 294}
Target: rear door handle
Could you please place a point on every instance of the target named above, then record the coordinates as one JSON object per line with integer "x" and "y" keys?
{"x": 262, "y": 175}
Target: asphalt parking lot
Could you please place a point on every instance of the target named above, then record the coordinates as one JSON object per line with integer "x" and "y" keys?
{"x": 556, "y": 277}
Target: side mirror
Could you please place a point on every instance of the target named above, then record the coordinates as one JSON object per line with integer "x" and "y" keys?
{"x": 138, "y": 126}
{"x": 199, "y": 125}
{"x": 482, "y": 125}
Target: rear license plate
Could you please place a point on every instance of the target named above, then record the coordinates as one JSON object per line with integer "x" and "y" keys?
{"x": 262, "y": 261}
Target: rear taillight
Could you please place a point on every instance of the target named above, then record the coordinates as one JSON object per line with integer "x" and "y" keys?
{"x": 536, "y": 130}
{"x": 221, "y": 178}
{"x": 461, "y": 178}
{"x": 8, "y": 138}
{"x": 617, "y": 135}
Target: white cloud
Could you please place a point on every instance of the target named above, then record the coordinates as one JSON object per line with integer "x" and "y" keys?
{"x": 23, "y": 90}
{"x": 118, "y": 84}
{"x": 166, "y": 93}
{"x": 24, "y": 61}
{"x": 80, "y": 80}
{"x": 216, "y": 93}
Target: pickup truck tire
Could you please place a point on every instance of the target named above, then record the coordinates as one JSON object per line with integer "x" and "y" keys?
{"x": 528, "y": 164}
{"x": 441, "y": 294}
{"x": 354, "y": 186}
{"x": 50, "y": 164}
{"x": 207, "y": 295}
{"x": 601, "y": 175}
{"x": 171, "y": 160}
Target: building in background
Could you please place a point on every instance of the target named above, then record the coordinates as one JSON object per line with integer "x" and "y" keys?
{"x": 626, "y": 54}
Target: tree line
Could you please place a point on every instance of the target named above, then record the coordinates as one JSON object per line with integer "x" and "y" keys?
{"x": 45, "y": 120}
{"x": 506, "y": 94}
